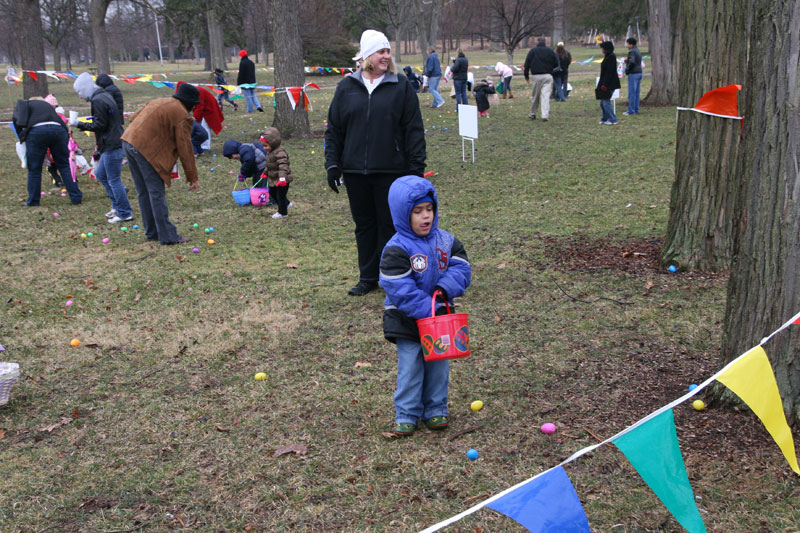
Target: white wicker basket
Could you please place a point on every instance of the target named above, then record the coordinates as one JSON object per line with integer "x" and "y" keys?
{"x": 9, "y": 373}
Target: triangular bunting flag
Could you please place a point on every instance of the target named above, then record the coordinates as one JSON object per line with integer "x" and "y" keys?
{"x": 653, "y": 450}
{"x": 719, "y": 103}
{"x": 796, "y": 321}
{"x": 33, "y": 75}
{"x": 752, "y": 379}
{"x": 547, "y": 503}
{"x": 294, "y": 95}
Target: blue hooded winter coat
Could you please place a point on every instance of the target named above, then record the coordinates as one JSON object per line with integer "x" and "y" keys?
{"x": 412, "y": 267}
{"x": 252, "y": 157}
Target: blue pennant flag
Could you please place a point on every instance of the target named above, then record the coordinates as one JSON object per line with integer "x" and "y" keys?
{"x": 546, "y": 504}
{"x": 169, "y": 84}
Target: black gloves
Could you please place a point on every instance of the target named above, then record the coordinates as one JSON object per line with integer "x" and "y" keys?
{"x": 334, "y": 173}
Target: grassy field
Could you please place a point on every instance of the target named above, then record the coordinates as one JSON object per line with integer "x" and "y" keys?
{"x": 155, "y": 422}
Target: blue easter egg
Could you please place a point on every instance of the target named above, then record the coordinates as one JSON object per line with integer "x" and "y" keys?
{"x": 472, "y": 454}
{"x": 211, "y": 228}
{"x": 211, "y": 170}
{"x": 672, "y": 268}
{"x": 213, "y": 155}
{"x": 692, "y": 387}
{"x": 136, "y": 226}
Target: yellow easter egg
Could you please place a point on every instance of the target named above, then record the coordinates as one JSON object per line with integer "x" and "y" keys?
{"x": 477, "y": 405}
{"x": 698, "y": 405}
{"x": 83, "y": 235}
{"x": 261, "y": 376}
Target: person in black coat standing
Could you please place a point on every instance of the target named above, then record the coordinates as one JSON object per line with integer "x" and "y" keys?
{"x": 540, "y": 63}
{"x": 607, "y": 84}
{"x": 105, "y": 82}
{"x": 460, "y": 71}
{"x": 375, "y": 135}
{"x": 247, "y": 76}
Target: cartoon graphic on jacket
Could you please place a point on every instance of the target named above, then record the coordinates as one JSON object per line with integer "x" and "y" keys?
{"x": 412, "y": 267}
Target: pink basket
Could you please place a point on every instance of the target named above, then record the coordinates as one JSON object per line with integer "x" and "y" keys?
{"x": 259, "y": 195}
{"x": 443, "y": 336}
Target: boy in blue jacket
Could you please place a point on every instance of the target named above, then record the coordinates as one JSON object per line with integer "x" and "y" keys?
{"x": 251, "y": 156}
{"x": 418, "y": 260}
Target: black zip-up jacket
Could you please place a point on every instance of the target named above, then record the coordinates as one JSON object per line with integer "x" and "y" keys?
{"x": 608, "y": 73}
{"x": 29, "y": 113}
{"x": 247, "y": 72}
{"x": 634, "y": 65}
{"x": 105, "y": 82}
{"x": 106, "y": 122}
{"x": 381, "y": 133}
{"x": 541, "y": 60}
{"x": 460, "y": 68}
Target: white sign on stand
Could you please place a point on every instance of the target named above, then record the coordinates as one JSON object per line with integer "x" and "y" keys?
{"x": 468, "y": 127}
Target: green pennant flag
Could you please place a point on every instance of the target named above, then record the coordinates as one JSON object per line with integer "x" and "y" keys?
{"x": 654, "y": 452}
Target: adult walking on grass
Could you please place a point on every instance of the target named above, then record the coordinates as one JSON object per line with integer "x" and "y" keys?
{"x": 159, "y": 134}
{"x": 433, "y": 70}
{"x": 375, "y": 135}
{"x": 107, "y": 127}
{"x": 460, "y": 72}
{"x": 38, "y": 126}
{"x": 560, "y": 79}
{"x": 540, "y": 64}
{"x": 247, "y": 76}
{"x": 607, "y": 84}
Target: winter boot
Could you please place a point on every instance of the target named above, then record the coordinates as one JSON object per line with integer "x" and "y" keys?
{"x": 510, "y": 94}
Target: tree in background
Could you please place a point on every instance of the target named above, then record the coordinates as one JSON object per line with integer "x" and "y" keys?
{"x": 516, "y": 20}
{"x": 28, "y": 21}
{"x": 98, "y": 9}
{"x": 664, "y": 43}
{"x": 289, "y": 70}
{"x": 700, "y": 229}
{"x": 58, "y": 23}
{"x": 764, "y": 286}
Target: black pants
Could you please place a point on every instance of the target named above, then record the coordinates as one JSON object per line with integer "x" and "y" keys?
{"x": 280, "y": 198}
{"x": 369, "y": 206}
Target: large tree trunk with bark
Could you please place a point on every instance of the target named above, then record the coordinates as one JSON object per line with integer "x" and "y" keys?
{"x": 99, "y": 36}
{"x": 426, "y": 19}
{"x": 30, "y": 23}
{"x": 216, "y": 50}
{"x": 700, "y": 229}
{"x": 664, "y": 41}
{"x": 558, "y": 22}
{"x": 764, "y": 287}
{"x": 289, "y": 70}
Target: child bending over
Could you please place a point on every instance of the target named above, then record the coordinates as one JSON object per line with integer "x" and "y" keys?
{"x": 418, "y": 260}
{"x": 252, "y": 157}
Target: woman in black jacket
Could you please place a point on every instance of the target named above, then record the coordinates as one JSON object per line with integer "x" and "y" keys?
{"x": 607, "y": 84}
{"x": 375, "y": 135}
{"x": 459, "y": 71}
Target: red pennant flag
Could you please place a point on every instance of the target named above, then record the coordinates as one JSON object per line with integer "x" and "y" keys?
{"x": 796, "y": 321}
{"x": 294, "y": 95}
{"x": 33, "y": 75}
{"x": 719, "y": 103}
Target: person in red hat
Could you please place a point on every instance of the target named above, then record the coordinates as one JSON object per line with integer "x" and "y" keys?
{"x": 247, "y": 75}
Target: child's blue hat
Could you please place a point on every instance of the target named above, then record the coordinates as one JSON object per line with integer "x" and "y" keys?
{"x": 426, "y": 198}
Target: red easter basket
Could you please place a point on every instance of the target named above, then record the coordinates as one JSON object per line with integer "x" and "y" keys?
{"x": 443, "y": 336}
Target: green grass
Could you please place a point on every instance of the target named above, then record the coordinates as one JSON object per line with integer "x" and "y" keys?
{"x": 165, "y": 426}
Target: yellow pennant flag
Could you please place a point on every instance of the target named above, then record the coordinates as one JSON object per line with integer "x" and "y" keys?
{"x": 752, "y": 379}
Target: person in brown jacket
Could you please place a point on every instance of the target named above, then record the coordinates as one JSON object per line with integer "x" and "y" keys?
{"x": 159, "y": 134}
{"x": 278, "y": 170}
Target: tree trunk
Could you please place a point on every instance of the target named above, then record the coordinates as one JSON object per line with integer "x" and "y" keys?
{"x": 289, "y": 70}
{"x": 216, "y": 50}
{"x": 98, "y": 10}
{"x": 171, "y": 50}
{"x": 700, "y": 229}
{"x": 426, "y": 18}
{"x": 558, "y": 22}
{"x": 664, "y": 89}
{"x": 56, "y": 59}
{"x": 764, "y": 287}
{"x": 30, "y": 23}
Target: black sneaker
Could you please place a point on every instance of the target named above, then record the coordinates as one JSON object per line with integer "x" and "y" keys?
{"x": 362, "y": 288}
{"x": 260, "y": 109}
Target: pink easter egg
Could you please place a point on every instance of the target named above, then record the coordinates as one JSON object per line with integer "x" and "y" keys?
{"x": 55, "y": 214}
{"x": 63, "y": 194}
{"x": 548, "y": 428}
{"x": 69, "y": 302}
{"x": 106, "y": 240}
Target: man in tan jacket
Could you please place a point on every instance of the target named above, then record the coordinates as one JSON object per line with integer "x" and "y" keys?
{"x": 159, "y": 134}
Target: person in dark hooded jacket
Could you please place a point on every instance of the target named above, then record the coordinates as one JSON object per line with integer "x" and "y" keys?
{"x": 607, "y": 84}
{"x": 482, "y": 91}
{"x": 107, "y": 127}
{"x": 252, "y": 158}
{"x": 413, "y": 79}
{"x": 105, "y": 82}
{"x": 417, "y": 261}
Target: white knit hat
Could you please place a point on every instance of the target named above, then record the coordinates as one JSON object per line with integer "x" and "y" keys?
{"x": 371, "y": 42}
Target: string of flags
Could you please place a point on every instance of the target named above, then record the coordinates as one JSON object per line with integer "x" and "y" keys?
{"x": 548, "y": 501}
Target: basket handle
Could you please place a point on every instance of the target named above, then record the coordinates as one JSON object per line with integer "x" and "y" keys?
{"x": 236, "y": 184}
{"x": 433, "y": 303}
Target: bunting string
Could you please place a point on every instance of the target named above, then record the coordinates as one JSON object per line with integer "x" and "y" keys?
{"x": 749, "y": 376}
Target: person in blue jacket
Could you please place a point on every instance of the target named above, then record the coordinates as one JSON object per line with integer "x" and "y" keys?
{"x": 418, "y": 260}
{"x": 253, "y": 159}
{"x": 433, "y": 70}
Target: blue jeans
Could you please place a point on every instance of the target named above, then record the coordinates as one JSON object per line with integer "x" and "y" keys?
{"x": 421, "y": 387}
{"x": 608, "y": 111}
{"x": 39, "y": 139}
{"x": 251, "y": 100}
{"x": 109, "y": 174}
{"x": 461, "y": 91}
{"x": 225, "y": 96}
{"x": 433, "y": 87}
{"x": 558, "y": 86}
{"x": 634, "y": 88}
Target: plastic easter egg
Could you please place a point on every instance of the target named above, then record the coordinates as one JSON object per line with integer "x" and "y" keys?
{"x": 261, "y": 376}
{"x": 548, "y": 428}
{"x": 196, "y": 250}
{"x": 55, "y": 214}
{"x": 68, "y": 303}
{"x": 692, "y": 387}
{"x": 106, "y": 240}
{"x": 672, "y": 268}
{"x": 472, "y": 454}
{"x": 195, "y": 225}
{"x": 213, "y": 155}
{"x": 211, "y": 228}
{"x": 211, "y": 169}
{"x": 208, "y": 230}
{"x": 75, "y": 342}
{"x": 477, "y": 405}
{"x": 136, "y": 226}
{"x": 210, "y": 241}
{"x": 90, "y": 234}
{"x": 699, "y": 405}
{"x": 63, "y": 194}
{"x": 83, "y": 235}
{"x": 124, "y": 228}
{"x": 63, "y": 190}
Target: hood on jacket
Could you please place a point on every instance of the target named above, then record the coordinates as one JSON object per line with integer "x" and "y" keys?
{"x": 84, "y": 85}
{"x": 608, "y": 46}
{"x": 231, "y": 147}
{"x": 273, "y": 137}
{"x": 104, "y": 80}
{"x": 404, "y": 194}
